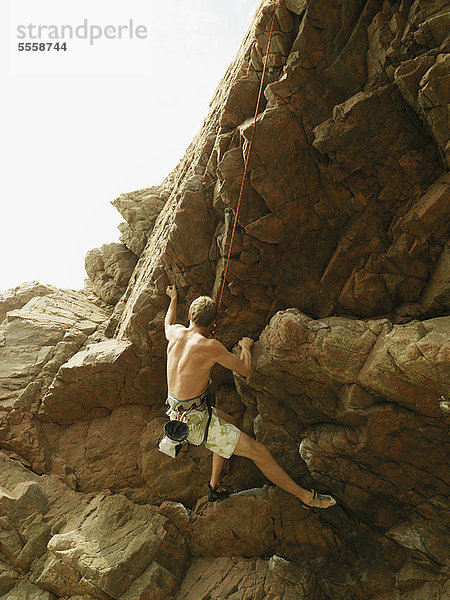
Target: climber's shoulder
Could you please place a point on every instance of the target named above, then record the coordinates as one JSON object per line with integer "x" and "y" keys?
{"x": 174, "y": 332}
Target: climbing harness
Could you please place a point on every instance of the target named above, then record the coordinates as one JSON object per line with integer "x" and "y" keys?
{"x": 247, "y": 159}
{"x": 176, "y": 431}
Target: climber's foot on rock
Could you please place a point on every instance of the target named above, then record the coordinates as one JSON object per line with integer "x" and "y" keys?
{"x": 317, "y": 500}
{"x": 215, "y": 493}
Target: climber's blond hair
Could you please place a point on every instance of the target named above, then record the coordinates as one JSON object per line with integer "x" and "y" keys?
{"x": 203, "y": 311}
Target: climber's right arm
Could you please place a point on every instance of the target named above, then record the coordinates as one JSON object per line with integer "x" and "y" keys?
{"x": 242, "y": 365}
{"x": 171, "y": 315}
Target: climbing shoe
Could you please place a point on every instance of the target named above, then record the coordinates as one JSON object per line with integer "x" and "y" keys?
{"x": 214, "y": 493}
{"x": 320, "y": 498}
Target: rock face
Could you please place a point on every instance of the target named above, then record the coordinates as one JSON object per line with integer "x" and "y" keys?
{"x": 339, "y": 270}
{"x": 59, "y": 539}
{"x": 140, "y": 209}
{"x": 109, "y": 268}
{"x": 19, "y": 296}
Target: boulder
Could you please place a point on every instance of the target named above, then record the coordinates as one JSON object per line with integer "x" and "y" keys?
{"x": 145, "y": 553}
{"x": 140, "y": 209}
{"x": 17, "y": 297}
{"x": 36, "y": 341}
{"x": 35, "y": 335}
{"x": 109, "y": 268}
{"x": 92, "y": 379}
{"x": 380, "y": 387}
{"x": 235, "y": 578}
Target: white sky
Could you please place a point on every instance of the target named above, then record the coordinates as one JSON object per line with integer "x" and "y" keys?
{"x": 81, "y": 127}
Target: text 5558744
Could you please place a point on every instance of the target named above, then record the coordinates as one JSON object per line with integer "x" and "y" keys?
{"x": 41, "y": 46}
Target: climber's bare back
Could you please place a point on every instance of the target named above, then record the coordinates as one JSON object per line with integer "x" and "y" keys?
{"x": 189, "y": 362}
{"x": 190, "y": 357}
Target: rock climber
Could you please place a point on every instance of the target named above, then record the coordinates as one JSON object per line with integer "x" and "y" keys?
{"x": 191, "y": 354}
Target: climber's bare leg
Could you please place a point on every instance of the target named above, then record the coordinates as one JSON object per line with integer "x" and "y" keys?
{"x": 262, "y": 458}
{"x": 218, "y": 461}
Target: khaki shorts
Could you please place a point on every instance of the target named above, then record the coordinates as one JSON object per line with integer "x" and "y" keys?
{"x": 222, "y": 436}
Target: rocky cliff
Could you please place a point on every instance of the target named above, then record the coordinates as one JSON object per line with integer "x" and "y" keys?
{"x": 339, "y": 270}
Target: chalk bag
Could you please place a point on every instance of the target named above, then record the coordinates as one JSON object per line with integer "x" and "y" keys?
{"x": 174, "y": 435}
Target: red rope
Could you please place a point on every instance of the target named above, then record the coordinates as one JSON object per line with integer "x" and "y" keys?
{"x": 247, "y": 159}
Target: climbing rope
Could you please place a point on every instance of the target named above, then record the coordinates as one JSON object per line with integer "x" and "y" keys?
{"x": 247, "y": 160}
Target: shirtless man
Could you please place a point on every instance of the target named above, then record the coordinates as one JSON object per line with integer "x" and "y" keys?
{"x": 190, "y": 356}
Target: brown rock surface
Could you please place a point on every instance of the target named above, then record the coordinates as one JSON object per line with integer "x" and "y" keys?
{"x": 61, "y": 543}
{"x": 117, "y": 550}
{"x": 41, "y": 332}
{"x": 339, "y": 268}
{"x": 36, "y": 340}
{"x": 240, "y": 578}
{"x": 93, "y": 378}
{"x": 17, "y": 297}
{"x": 140, "y": 209}
{"x": 109, "y": 268}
